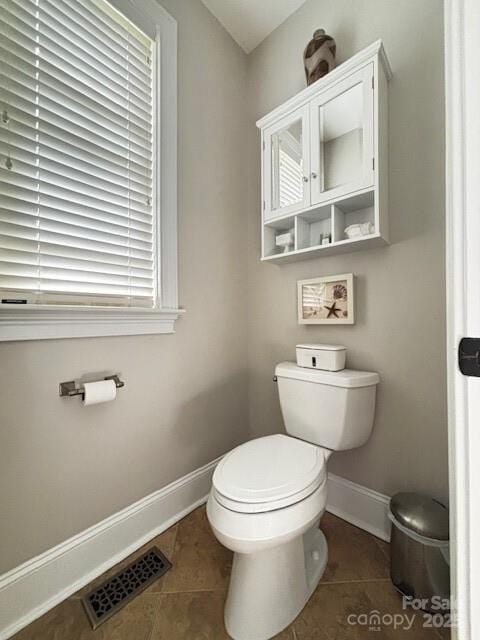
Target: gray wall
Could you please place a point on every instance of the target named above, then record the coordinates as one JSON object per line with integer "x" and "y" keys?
{"x": 64, "y": 467}
{"x": 400, "y": 328}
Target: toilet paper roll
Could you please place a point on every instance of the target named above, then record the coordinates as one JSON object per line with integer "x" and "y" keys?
{"x": 102, "y": 391}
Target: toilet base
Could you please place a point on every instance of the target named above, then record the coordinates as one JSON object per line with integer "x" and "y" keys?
{"x": 268, "y": 589}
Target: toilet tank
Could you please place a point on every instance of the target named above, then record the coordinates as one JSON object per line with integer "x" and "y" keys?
{"x": 334, "y": 410}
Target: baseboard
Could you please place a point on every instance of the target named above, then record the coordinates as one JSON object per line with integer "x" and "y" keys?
{"x": 358, "y": 505}
{"x": 35, "y": 587}
{"x": 30, "y": 590}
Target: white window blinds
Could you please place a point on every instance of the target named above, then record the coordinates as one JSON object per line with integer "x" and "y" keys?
{"x": 291, "y": 182}
{"x": 76, "y": 136}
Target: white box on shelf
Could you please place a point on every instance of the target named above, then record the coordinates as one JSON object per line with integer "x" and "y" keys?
{"x": 328, "y": 357}
{"x": 285, "y": 241}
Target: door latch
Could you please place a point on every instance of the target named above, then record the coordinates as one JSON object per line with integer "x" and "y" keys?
{"x": 469, "y": 356}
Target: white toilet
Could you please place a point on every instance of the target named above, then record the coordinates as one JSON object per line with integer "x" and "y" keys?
{"x": 269, "y": 494}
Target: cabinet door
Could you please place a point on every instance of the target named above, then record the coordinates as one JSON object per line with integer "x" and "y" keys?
{"x": 341, "y": 124}
{"x": 286, "y": 165}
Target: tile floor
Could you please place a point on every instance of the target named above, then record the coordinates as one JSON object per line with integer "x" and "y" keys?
{"x": 187, "y": 603}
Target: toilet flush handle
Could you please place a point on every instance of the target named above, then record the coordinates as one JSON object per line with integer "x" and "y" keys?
{"x": 274, "y": 378}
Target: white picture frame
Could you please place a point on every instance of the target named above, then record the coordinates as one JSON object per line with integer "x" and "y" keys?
{"x": 326, "y": 300}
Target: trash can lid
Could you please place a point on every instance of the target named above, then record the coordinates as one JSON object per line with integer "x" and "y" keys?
{"x": 421, "y": 514}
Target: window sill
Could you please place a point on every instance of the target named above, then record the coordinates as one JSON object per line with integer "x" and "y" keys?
{"x": 35, "y": 322}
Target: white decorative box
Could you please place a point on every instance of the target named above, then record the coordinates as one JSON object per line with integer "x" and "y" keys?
{"x": 329, "y": 357}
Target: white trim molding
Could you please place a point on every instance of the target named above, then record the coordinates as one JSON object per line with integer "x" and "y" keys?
{"x": 362, "y": 507}
{"x": 36, "y": 322}
{"x": 47, "y": 322}
{"x": 33, "y": 588}
{"x": 462, "y": 71}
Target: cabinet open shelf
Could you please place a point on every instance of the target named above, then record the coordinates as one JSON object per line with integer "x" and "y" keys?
{"x": 314, "y": 228}
{"x": 279, "y": 231}
{"x": 324, "y": 229}
{"x": 324, "y": 163}
{"x": 354, "y": 217}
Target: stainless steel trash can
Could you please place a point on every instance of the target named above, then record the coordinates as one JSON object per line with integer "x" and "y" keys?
{"x": 420, "y": 566}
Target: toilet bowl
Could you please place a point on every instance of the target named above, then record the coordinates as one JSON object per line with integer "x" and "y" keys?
{"x": 266, "y": 502}
{"x": 269, "y": 494}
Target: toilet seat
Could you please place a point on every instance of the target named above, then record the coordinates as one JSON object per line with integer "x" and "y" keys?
{"x": 268, "y": 473}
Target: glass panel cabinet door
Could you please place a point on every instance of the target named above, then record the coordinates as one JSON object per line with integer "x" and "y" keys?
{"x": 286, "y": 165}
{"x": 341, "y": 121}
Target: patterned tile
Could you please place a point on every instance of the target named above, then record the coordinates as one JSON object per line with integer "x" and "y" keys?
{"x": 200, "y": 561}
{"x": 341, "y": 612}
{"x": 187, "y": 604}
{"x": 182, "y": 616}
{"x": 353, "y": 554}
{"x": 195, "y": 616}
{"x": 68, "y": 621}
{"x": 384, "y": 546}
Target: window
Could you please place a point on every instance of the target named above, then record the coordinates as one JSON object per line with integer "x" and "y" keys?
{"x": 80, "y": 207}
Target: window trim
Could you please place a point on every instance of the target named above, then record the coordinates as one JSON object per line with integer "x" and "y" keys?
{"x": 37, "y": 322}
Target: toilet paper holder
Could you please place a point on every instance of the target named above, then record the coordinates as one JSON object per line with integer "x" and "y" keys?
{"x": 70, "y": 389}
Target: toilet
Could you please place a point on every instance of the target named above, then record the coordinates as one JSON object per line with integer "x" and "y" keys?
{"x": 269, "y": 494}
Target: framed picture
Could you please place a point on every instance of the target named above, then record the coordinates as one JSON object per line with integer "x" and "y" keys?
{"x": 326, "y": 300}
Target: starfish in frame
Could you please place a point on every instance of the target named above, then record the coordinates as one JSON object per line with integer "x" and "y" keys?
{"x": 332, "y": 311}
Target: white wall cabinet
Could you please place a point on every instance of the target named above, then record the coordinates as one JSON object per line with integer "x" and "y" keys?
{"x": 324, "y": 163}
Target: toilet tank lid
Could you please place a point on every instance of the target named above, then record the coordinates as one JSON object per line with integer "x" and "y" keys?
{"x": 322, "y": 347}
{"x": 346, "y": 378}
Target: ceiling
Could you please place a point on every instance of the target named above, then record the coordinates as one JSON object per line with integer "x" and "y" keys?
{"x": 251, "y": 21}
